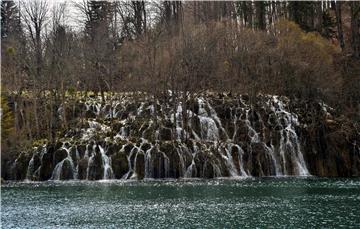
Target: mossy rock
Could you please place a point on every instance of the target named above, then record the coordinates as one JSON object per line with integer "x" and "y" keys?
{"x": 39, "y": 142}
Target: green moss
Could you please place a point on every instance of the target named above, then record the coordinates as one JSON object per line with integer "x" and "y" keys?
{"x": 39, "y": 142}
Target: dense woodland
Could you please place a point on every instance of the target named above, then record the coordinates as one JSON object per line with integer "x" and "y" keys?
{"x": 52, "y": 53}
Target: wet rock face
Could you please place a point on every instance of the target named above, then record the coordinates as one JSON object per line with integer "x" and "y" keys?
{"x": 47, "y": 165}
{"x": 140, "y": 166}
{"x": 81, "y": 149}
{"x": 21, "y": 165}
{"x": 175, "y": 164}
{"x": 96, "y": 167}
{"x": 59, "y": 155}
{"x": 82, "y": 168}
{"x": 120, "y": 164}
{"x": 67, "y": 171}
{"x": 165, "y": 134}
{"x": 333, "y": 152}
{"x": 74, "y": 154}
{"x": 210, "y": 136}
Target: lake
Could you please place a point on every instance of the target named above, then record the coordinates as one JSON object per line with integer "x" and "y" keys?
{"x": 220, "y": 203}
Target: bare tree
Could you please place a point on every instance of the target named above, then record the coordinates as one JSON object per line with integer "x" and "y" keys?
{"x": 35, "y": 17}
{"x": 339, "y": 24}
{"x": 355, "y": 26}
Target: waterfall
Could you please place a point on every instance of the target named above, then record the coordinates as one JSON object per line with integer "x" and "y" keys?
{"x": 108, "y": 172}
{"x": 58, "y": 170}
{"x": 254, "y": 136}
{"x": 90, "y": 159}
{"x": 192, "y": 167}
{"x": 230, "y": 162}
{"x": 216, "y": 118}
{"x": 30, "y": 168}
{"x": 31, "y": 171}
{"x": 263, "y": 136}
{"x": 134, "y": 175}
{"x": 282, "y": 152}
{"x": 290, "y": 138}
{"x": 240, "y": 154}
{"x": 209, "y": 130}
{"x": 148, "y": 164}
{"x": 241, "y": 161}
{"x": 166, "y": 165}
{"x": 301, "y": 166}
{"x": 182, "y": 163}
{"x": 132, "y": 169}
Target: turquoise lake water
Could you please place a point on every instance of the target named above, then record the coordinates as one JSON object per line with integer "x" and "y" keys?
{"x": 241, "y": 203}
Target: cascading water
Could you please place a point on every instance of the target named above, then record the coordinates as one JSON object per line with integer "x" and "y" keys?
{"x": 108, "y": 173}
{"x": 240, "y": 154}
{"x": 209, "y": 130}
{"x": 58, "y": 172}
{"x": 263, "y": 142}
{"x": 148, "y": 164}
{"x": 191, "y": 170}
{"x": 289, "y": 143}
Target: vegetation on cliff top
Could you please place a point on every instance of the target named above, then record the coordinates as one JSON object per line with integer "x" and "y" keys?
{"x": 307, "y": 50}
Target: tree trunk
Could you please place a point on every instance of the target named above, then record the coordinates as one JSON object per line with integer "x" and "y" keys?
{"x": 355, "y": 36}
{"x": 339, "y": 24}
{"x": 260, "y": 14}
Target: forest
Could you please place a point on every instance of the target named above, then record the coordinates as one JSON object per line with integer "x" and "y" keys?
{"x": 180, "y": 114}
{"x": 54, "y": 52}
